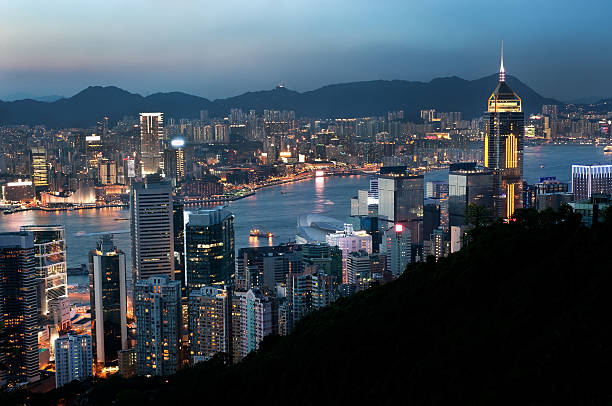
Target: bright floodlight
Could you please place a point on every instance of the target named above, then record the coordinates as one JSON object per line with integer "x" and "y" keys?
{"x": 177, "y": 143}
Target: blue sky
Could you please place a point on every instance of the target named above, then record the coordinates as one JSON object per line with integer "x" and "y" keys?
{"x": 223, "y": 48}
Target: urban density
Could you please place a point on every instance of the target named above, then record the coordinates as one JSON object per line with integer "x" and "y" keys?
{"x": 184, "y": 290}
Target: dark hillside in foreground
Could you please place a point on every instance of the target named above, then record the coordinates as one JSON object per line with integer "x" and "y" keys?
{"x": 521, "y": 316}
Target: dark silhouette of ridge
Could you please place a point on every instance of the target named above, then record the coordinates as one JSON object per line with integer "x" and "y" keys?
{"x": 356, "y": 99}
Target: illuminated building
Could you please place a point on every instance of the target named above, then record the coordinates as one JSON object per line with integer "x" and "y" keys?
{"x": 151, "y": 217}
{"x": 439, "y": 244}
{"x": 39, "y": 167}
{"x": 308, "y": 291}
{"x": 107, "y": 289}
{"x": 127, "y": 362}
{"x": 266, "y": 266}
{"x": 399, "y": 248}
{"x": 50, "y": 245}
{"x": 18, "y": 310}
{"x": 73, "y": 359}
{"x": 174, "y": 160}
{"x": 19, "y": 191}
{"x": 108, "y": 172}
{"x": 349, "y": 241}
{"x": 209, "y": 322}
{"x": 157, "y": 308}
{"x": 209, "y": 248}
{"x": 468, "y": 185}
{"x": 400, "y": 200}
{"x": 94, "y": 151}
{"x": 358, "y": 267}
{"x": 503, "y": 147}
{"x": 591, "y": 179}
{"x": 151, "y": 135}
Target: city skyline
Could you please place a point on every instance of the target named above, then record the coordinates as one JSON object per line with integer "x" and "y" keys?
{"x": 220, "y": 50}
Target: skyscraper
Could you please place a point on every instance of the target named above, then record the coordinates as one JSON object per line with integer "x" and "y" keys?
{"x": 151, "y": 135}
{"x": 107, "y": 289}
{"x": 157, "y": 308}
{"x": 468, "y": 185}
{"x": 39, "y": 167}
{"x": 350, "y": 241}
{"x": 18, "y": 310}
{"x": 255, "y": 319}
{"x": 152, "y": 228}
{"x": 503, "y": 146}
{"x": 399, "y": 243}
{"x": 209, "y": 322}
{"x": 73, "y": 359}
{"x": 209, "y": 247}
{"x": 400, "y": 200}
{"x": 50, "y": 245}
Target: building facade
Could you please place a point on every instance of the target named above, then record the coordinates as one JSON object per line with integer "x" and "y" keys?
{"x": 157, "y": 308}
{"x": 108, "y": 300}
{"x": 151, "y": 136}
{"x": 591, "y": 179}
{"x": 73, "y": 359}
{"x": 209, "y": 323}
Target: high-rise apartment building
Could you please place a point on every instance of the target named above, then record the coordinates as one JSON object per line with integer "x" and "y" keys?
{"x": 40, "y": 173}
{"x": 151, "y": 136}
{"x": 50, "y": 245}
{"x": 151, "y": 206}
{"x": 174, "y": 160}
{"x": 468, "y": 184}
{"x": 591, "y": 179}
{"x": 256, "y": 319}
{"x": 308, "y": 291}
{"x": 209, "y": 247}
{"x": 108, "y": 299}
{"x": 398, "y": 245}
{"x": 18, "y": 309}
{"x": 157, "y": 308}
{"x": 73, "y": 359}
{"x": 358, "y": 267}
{"x": 503, "y": 146}
{"x": 209, "y": 322}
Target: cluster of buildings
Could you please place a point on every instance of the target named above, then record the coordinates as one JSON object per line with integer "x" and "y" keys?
{"x": 188, "y": 295}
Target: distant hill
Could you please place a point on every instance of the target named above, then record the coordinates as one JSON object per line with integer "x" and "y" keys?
{"x": 519, "y": 316}
{"x": 357, "y": 99}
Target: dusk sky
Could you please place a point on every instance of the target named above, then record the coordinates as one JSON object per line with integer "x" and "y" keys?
{"x": 222, "y": 48}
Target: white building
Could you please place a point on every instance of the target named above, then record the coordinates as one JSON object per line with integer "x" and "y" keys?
{"x": 349, "y": 241}
{"x": 152, "y": 228}
{"x": 73, "y": 359}
{"x": 255, "y": 319}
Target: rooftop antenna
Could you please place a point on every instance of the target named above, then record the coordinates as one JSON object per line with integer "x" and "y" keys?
{"x": 502, "y": 71}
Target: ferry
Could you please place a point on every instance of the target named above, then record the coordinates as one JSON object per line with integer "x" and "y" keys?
{"x": 607, "y": 148}
{"x": 255, "y": 232}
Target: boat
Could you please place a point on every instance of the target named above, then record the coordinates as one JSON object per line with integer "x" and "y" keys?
{"x": 255, "y": 232}
{"x": 283, "y": 192}
{"x": 121, "y": 219}
{"x": 607, "y": 148}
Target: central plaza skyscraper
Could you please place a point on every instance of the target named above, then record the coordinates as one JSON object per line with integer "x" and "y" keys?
{"x": 503, "y": 146}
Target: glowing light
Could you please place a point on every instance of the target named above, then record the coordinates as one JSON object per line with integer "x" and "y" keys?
{"x": 319, "y": 173}
{"x": 177, "y": 143}
{"x": 399, "y": 228}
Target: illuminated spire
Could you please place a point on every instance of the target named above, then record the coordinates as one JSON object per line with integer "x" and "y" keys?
{"x": 502, "y": 71}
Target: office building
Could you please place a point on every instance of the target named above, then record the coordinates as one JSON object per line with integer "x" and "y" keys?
{"x": 349, "y": 241}
{"x": 209, "y": 322}
{"x": 20, "y": 191}
{"x": 178, "y": 225}
{"x": 308, "y": 291}
{"x": 73, "y": 359}
{"x": 267, "y": 266}
{"x": 59, "y": 312}
{"x": 151, "y": 221}
{"x": 209, "y": 248}
{"x": 591, "y": 179}
{"x": 107, "y": 172}
{"x": 468, "y": 185}
{"x": 398, "y": 248}
{"x": 440, "y": 246}
{"x": 400, "y": 200}
{"x": 50, "y": 245}
{"x": 174, "y": 160}
{"x": 503, "y": 147}
{"x": 18, "y": 309}
{"x": 40, "y": 174}
{"x": 157, "y": 309}
{"x": 431, "y": 217}
{"x": 151, "y": 136}
{"x": 108, "y": 300}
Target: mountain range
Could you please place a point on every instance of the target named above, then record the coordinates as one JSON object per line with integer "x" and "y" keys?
{"x": 356, "y": 99}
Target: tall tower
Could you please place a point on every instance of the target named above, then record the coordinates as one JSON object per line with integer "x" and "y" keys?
{"x": 152, "y": 228}
{"x": 503, "y": 146}
{"x": 151, "y": 136}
